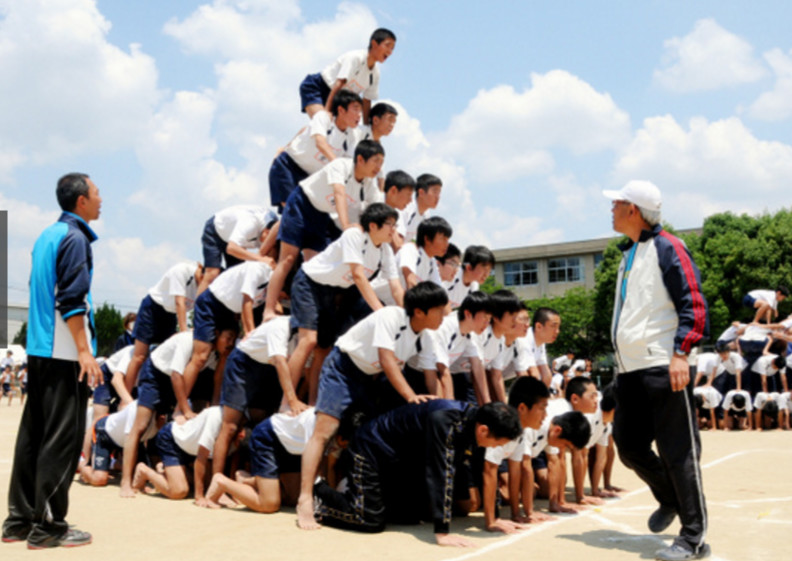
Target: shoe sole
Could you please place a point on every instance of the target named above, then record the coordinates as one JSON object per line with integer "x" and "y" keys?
{"x": 13, "y": 540}
{"x": 30, "y": 546}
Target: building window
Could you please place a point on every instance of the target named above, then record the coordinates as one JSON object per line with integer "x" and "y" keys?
{"x": 598, "y": 257}
{"x": 569, "y": 269}
{"x": 522, "y": 273}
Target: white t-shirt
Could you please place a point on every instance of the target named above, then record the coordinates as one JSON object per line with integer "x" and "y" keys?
{"x": 764, "y": 365}
{"x": 529, "y": 353}
{"x": 505, "y": 359}
{"x": 294, "y": 432}
{"x": 119, "y": 425}
{"x": 768, "y": 296}
{"x": 732, "y": 365}
{"x": 199, "y": 431}
{"x": 242, "y": 225}
{"x": 755, "y": 333}
{"x": 785, "y": 401}
{"x": 712, "y": 397}
{"x": 416, "y": 260}
{"x": 727, "y": 401}
{"x": 174, "y": 354}
{"x": 302, "y": 149}
{"x": 119, "y": 360}
{"x": 491, "y": 346}
{"x": 512, "y": 450}
{"x": 536, "y": 440}
{"x": 318, "y": 188}
{"x": 447, "y": 346}
{"x": 270, "y": 339}
{"x": 353, "y": 67}
{"x": 560, "y": 361}
{"x": 387, "y": 328}
{"x": 331, "y": 267}
{"x": 409, "y": 220}
{"x": 600, "y": 431}
{"x": 179, "y": 280}
{"x": 707, "y": 363}
{"x": 761, "y": 398}
{"x": 730, "y": 334}
{"x": 456, "y": 289}
{"x": 249, "y": 278}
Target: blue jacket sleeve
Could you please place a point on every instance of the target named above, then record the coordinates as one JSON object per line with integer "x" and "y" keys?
{"x": 683, "y": 282}
{"x": 73, "y": 269}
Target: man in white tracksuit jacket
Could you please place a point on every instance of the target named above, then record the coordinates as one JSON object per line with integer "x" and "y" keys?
{"x": 659, "y": 314}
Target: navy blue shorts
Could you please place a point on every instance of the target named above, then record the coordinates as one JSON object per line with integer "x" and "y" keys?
{"x": 105, "y": 393}
{"x": 313, "y": 89}
{"x": 214, "y": 248}
{"x": 103, "y": 447}
{"x": 169, "y": 452}
{"x": 210, "y": 315}
{"x": 268, "y": 457}
{"x": 6, "y": 388}
{"x": 284, "y": 175}
{"x": 155, "y": 389}
{"x": 154, "y": 324}
{"x": 249, "y": 384}
{"x": 342, "y": 384}
{"x": 313, "y": 307}
{"x": 304, "y": 226}
{"x": 540, "y": 461}
{"x": 749, "y": 301}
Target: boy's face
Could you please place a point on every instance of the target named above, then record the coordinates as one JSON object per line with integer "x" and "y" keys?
{"x": 724, "y": 355}
{"x": 381, "y": 51}
{"x": 437, "y": 246}
{"x": 225, "y": 341}
{"x": 449, "y": 269}
{"x": 383, "y": 126}
{"x": 547, "y": 332}
{"x": 480, "y": 321}
{"x": 349, "y": 117}
{"x": 431, "y": 319}
{"x": 431, "y": 197}
{"x": 507, "y": 321}
{"x": 370, "y": 167}
{"x": 382, "y": 234}
{"x": 780, "y": 297}
{"x": 532, "y": 418}
{"x": 554, "y": 438}
{"x": 398, "y": 199}
{"x": 587, "y": 402}
{"x": 521, "y": 324}
{"x": 485, "y": 439}
{"x": 480, "y": 273}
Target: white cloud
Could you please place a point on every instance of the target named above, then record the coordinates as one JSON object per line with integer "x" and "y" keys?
{"x": 25, "y": 220}
{"x": 776, "y": 105}
{"x": 71, "y": 91}
{"x": 708, "y": 58}
{"x": 707, "y": 167}
{"x": 503, "y": 134}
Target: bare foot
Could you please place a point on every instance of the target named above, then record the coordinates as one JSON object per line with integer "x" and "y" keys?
{"x": 305, "y": 514}
{"x": 126, "y": 492}
{"x": 139, "y": 478}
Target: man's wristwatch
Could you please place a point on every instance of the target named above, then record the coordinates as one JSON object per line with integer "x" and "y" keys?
{"x": 680, "y": 353}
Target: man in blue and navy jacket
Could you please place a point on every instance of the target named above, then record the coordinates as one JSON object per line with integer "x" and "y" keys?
{"x": 61, "y": 344}
{"x": 659, "y": 314}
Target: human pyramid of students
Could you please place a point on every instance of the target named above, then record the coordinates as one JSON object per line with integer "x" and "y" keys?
{"x": 745, "y": 383}
{"x": 388, "y": 377}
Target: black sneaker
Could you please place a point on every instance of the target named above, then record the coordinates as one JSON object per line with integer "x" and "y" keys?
{"x": 677, "y": 552}
{"x": 18, "y": 534}
{"x": 72, "y": 538}
{"x": 661, "y": 519}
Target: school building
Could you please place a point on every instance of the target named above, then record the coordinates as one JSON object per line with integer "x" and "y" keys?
{"x": 549, "y": 270}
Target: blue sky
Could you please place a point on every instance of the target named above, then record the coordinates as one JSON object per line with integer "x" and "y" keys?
{"x": 527, "y": 110}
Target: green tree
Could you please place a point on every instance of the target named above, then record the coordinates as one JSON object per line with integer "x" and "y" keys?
{"x": 21, "y": 336}
{"x": 109, "y": 325}
{"x": 491, "y": 285}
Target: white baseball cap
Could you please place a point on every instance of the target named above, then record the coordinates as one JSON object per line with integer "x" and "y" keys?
{"x": 644, "y": 194}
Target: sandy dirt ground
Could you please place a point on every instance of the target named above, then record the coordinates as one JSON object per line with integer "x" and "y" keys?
{"x": 747, "y": 480}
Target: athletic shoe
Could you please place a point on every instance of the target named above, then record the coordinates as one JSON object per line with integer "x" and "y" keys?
{"x": 661, "y": 519}
{"x": 677, "y": 552}
{"x": 11, "y": 535}
{"x": 72, "y": 538}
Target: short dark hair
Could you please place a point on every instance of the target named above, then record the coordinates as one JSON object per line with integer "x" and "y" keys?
{"x": 70, "y": 188}
{"x": 350, "y": 422}
{"x": 779, "y": 362}
{"x": 738, "y": 401}
{"x": 451, "y": 252}
{"x": 131, "y": 316}
{"x": 381, "y": 109}
{"x": 343, "y": 98}
{"x": 475, "y": 302}
{"x": 576, "y": 386}
{"x": 366, "y": 149}
{"x": 424, "y": 296}
{"x": 608, "y": 399}
{"x": 783, "y": 290}
{"x": 699, "y": 399}
{"x": 770, "y": 409}
{"x": 504, "y": 301}
{"x": 430, "y": 227}
{"x": 377, "y": 213}
{"x": 721, "y": 346}
{"x": 575, "y": 428}
{"x": 527, "y": 390}
{"x": 381, "y": 35}
{"x": 543, "y": 314}
{"x": 501, "y": 420}
{"x": 478, "y": 255}
{"x": 399, "y": 179}
{"x": 426, "y": 180}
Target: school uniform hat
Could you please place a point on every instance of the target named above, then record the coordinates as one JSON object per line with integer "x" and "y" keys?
{"x": 644, "y": 194}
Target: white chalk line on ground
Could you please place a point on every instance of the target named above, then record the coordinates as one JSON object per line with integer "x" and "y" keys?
{"x": 514, "y": 538}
